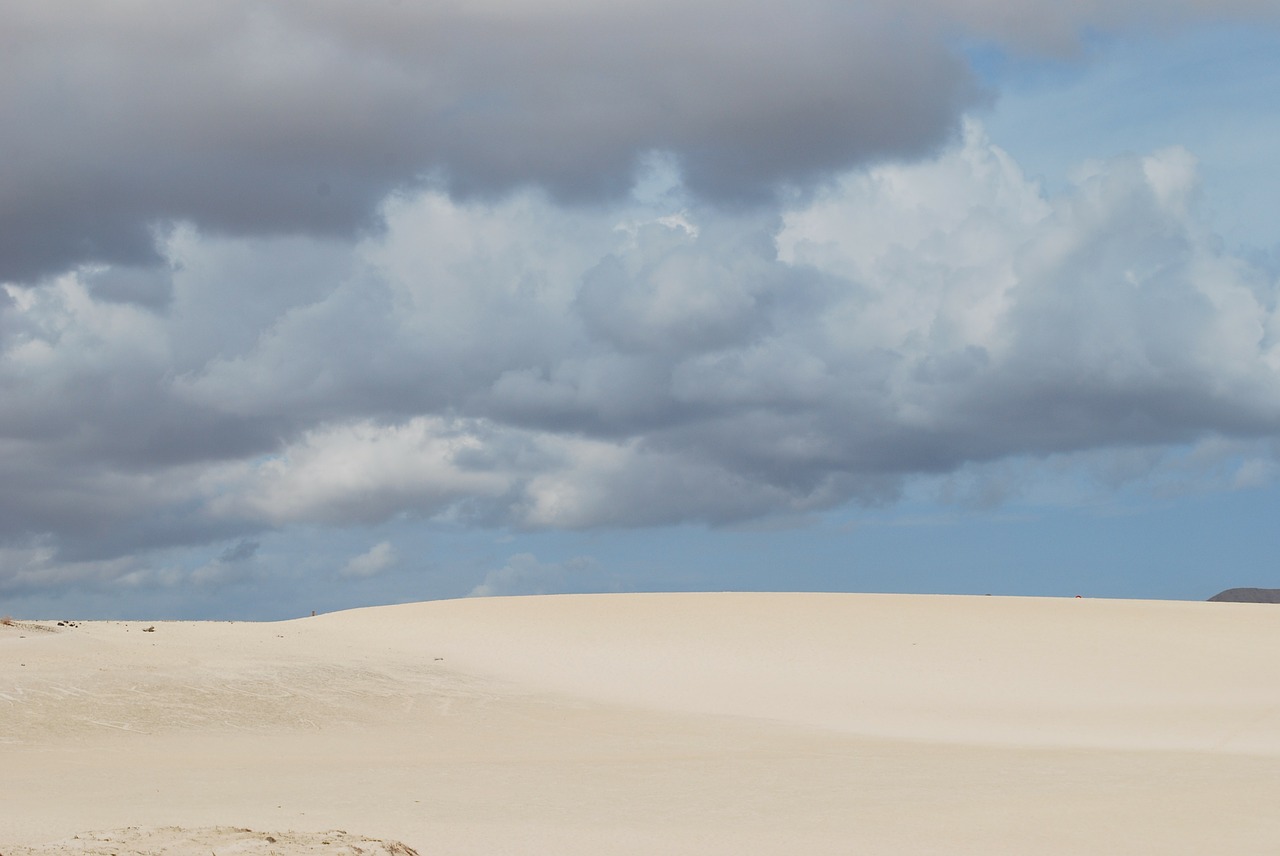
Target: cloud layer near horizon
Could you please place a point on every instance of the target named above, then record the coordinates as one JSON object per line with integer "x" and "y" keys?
{"x": 522, "y": 364}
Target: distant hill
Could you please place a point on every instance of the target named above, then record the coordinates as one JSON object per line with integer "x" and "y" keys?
{"x": 1247, "y": 595}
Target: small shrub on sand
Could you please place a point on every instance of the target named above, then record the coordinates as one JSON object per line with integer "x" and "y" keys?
{"x": 6, "y": 621}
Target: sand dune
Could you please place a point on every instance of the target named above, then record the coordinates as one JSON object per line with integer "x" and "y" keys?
{"x": 620, "y": 724}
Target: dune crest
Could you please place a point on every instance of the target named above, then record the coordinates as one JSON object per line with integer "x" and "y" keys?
{"x": 1030, "y": 671}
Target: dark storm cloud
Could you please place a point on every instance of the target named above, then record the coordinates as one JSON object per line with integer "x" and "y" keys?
{"x": 287, "y": 116}
{"x": 258, "y": 117}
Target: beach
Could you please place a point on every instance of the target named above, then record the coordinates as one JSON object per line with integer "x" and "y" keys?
{"x": 712, "y": 723}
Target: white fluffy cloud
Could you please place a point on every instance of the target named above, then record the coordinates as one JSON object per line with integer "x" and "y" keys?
{"x": 656, "y": 360}
{"x": 688, "y": 364}
{"x": 359, "y": 472}
{"x": 371, "y": 562}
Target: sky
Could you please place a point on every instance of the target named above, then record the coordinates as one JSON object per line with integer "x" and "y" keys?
{"x": 317, "y": 305}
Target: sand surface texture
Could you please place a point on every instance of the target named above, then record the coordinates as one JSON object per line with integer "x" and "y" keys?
{"x": 644, "y": 724}
{"x": 222, "y": 840}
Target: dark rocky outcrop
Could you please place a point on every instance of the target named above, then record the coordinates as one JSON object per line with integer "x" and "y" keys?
{"x": 1247, "y": 595}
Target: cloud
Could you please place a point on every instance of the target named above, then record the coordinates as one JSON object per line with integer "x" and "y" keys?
{"x": 361, "y": 472}
{"x": 242, "y": 551}
{"x": 288, "y": 117}
{"x": 29, "y": 567}
{"x": 524, "y": 574}
{"x": 911, "y": 319}
{"x": 230, "y": 566}
{"x": 655, "y": 360}
{"x": 372, "y": 562}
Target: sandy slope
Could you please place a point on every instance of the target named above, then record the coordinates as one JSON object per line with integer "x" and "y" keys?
{"x": 714, "y": 723}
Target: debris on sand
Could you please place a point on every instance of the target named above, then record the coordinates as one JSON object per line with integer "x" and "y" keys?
{"x": 201, "y": 841}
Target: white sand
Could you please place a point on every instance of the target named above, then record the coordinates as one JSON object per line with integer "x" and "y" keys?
{"x": 645, "y": 724}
